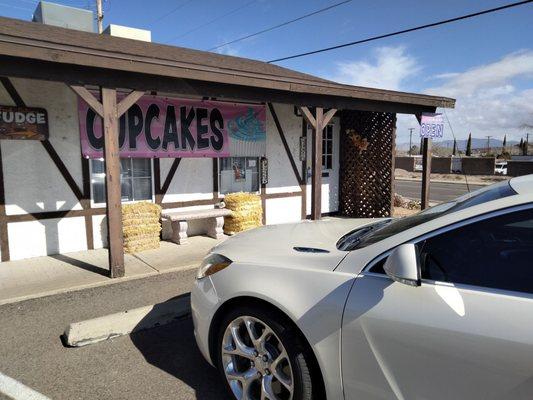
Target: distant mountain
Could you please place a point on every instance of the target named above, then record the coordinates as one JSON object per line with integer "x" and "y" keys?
{"x": 477, "y": 143}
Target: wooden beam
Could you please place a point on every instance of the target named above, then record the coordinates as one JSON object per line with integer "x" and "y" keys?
{"x": 303, "y": 186}
{"x": 426, "y": 171}
{"x": 10, "y": 89}
{"x": 316, "y": 183}
{"x": 89, "y": 98}
{"x": 86, "y": 201}
{"x": 112, "y": 183}
{"x": 393, "y": 161}
{"x": 215, "y": 178}
{"x": 157, "y": 181}
{"x": 128, "y": 101}
{"x": 62, "y": 169}
{"x": 170, "y": 176}
{"x": 328, "y": 116}
{"x": 285, "y": 144}
{"x": 4, "y": 235}
{"x": 308, "y": 116}
{"x": 77, "y": 74}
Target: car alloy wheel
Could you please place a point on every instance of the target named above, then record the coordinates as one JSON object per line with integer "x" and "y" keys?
{"x": 255, "y": 362}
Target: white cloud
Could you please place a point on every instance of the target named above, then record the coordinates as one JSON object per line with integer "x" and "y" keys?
{"x": 492, "y": 99}
{"x": 388, "y": 69}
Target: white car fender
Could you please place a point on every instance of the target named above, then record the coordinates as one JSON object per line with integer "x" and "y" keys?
{"x": 314, "y": 300}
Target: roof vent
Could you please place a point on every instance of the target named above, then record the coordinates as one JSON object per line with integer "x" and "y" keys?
{"x": 128, "y": 33}
{"x": 64, "y": 16}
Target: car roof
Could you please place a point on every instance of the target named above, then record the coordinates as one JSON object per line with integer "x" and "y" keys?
{"x": 522, "y": 184}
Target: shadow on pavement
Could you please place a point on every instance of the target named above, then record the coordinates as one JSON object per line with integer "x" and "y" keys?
{"x": 172, "y": 348}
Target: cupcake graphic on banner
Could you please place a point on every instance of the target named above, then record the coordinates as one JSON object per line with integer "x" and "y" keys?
{"x": 248, "y": 133}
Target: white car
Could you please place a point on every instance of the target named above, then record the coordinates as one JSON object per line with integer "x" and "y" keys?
{"x": 438, "y": 305}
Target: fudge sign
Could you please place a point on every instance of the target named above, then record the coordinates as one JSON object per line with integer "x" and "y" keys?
{"x": 23, "y": 123}
{"x": 169, "y": 127}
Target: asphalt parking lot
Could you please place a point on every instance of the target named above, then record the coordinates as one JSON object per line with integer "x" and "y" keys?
{"x": 161, "y": 363}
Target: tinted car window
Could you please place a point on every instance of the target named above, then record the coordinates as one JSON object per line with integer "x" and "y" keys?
{"x": 493, "y": 253}
{"x": 483, "y": 195}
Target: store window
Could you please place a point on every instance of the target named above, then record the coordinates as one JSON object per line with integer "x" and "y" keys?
{"x": 327, "y": 147}
{"x": 135, "y": 179}
{"x": 238, "y": 174}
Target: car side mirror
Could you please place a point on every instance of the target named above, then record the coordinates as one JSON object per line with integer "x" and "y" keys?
{"x": 403, "y": 265}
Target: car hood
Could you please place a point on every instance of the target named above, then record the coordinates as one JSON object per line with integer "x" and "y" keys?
{"x": 275, "y": 244}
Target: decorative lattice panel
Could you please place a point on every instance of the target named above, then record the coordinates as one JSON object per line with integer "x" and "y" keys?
{"x": 366, "y": 176}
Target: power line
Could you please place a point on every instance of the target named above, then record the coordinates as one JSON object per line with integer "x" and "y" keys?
{"x": 181, "y": 5}
{"x": 446, "y": 21}
{"x": 281, "y": 25}
{"x": 211, "y": 21}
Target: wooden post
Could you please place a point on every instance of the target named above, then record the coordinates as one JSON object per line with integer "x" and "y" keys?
{"x": 318, "y": 122}
{"x": 112, "y": 183}
{"x": 426, "y": 171}
{"x": 316, "y": 166}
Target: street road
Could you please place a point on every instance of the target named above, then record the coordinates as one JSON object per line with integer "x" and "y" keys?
{"x": 160, "y": 363}
{"x": 438, "y": 192}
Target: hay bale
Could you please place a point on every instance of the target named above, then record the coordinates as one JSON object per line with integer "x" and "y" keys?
{"x": 141, "y": 226}
{"x": 247, "y": 212}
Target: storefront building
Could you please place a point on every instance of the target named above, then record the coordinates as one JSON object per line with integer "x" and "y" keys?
{"x": 180, "y": 128}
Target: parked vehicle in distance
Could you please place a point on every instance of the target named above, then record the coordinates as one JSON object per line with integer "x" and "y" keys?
{"x": 437, "y": 305}
{"x": 500, "y": 168}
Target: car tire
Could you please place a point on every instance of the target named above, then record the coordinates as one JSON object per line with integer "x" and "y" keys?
{"x": 298, "y": 353}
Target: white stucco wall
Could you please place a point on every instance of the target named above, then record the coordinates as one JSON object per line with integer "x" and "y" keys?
{"x": 33, "y": 183}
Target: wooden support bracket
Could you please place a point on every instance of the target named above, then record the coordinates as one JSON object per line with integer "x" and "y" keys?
{"x": 128, "y": 101}
{"x": 89, "y": 98}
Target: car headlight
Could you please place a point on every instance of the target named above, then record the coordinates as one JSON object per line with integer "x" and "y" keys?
{"x": 212, "y": 263}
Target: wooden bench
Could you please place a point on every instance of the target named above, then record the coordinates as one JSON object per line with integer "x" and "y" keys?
{"x": 179, "y": 223}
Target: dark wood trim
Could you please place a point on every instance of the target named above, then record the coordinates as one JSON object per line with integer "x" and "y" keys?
{"x": 170, "y": 176}
{"x": 263, "y": 202}
{"x": 190, "y": 203}
{"x": 8, "y": 85}
{"x": 426, "y": 171}
{"x": 157, "y": 181}
{"x": 316, "y": 179}
{"x": 281, "y": 195}
{"x": 285, "y": 144}
{"x": 112, "y": 183}
{"x": 86, "y": 201}
{"x": 36, "y": 216}
{"x": 215, "y": 178}
{"x": 303, "y": 185}
{"x": 62, "y": 169}
{"x": 4, "y": 235}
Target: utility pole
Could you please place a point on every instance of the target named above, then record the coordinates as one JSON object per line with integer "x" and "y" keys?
{"x": 488, "y": 144}
{"x": 99, "y": 16}
{"x": 410, "y": 139}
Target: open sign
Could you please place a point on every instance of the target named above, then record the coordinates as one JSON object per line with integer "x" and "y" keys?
{"x": 431, "y": 126}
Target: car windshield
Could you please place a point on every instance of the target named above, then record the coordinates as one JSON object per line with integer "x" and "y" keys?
{"x": 370, "y": 234}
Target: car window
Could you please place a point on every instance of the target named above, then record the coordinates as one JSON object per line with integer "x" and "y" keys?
{"x": 486, "y": 194}
{"x": 495, "y": 253}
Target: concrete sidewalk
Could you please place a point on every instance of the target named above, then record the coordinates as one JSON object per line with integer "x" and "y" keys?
{"x": 43, "y": 276}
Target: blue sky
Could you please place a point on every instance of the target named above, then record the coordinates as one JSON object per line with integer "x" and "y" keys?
{"x": 486, "y": 62}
